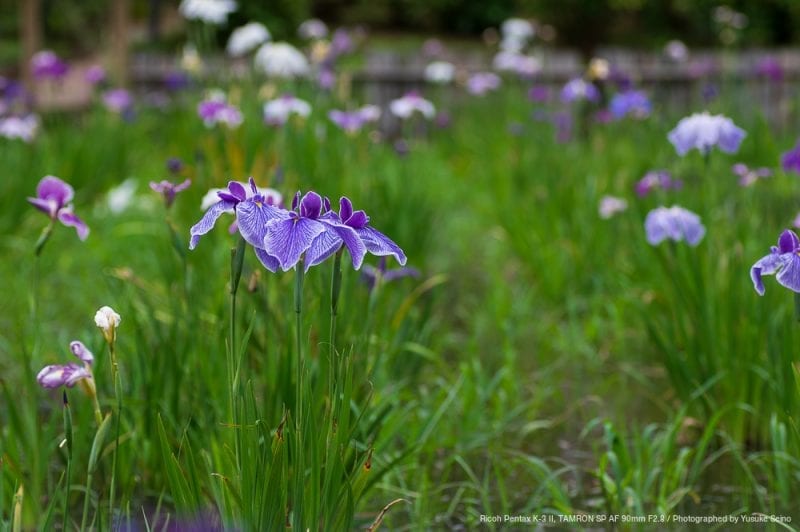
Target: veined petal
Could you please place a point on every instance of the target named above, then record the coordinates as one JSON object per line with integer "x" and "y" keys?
{"x": 379, "y": 244}
{"x": 71, "y": 220}
{"x": 789, "y": 276}
{"x": 288, "y": 239}
{"x": 208, "y": 220}
{"x": 269, "y": 262}
{"x": 75, "y": 375}
{"x": 80, "y": 351}
{"x": 325, "y": 245}
{"x": 352, "y": 241}
{"x": 767, "y": 265}
{"x": 252, "y": 218}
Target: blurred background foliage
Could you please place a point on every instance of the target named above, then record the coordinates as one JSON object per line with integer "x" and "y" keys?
{"x": 583, "y": 24}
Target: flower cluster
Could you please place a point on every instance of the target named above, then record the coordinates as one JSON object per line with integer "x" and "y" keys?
{"x": 673, "y": 223}
{"x": 310, "y": 231}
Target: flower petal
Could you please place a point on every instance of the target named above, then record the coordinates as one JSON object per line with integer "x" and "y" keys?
{"x": 789, "y": 276}
{"x": 325, "y": 245}
{"x": 47, "y": 206}
{"x": 379, "y": 244}
{"x": 288, "y": 239}
{"x": 70, "y": 220}
{"x": 80, "y": 351}
{"x": 352, "y": 241}
{"x": 51, "y": 187}
{"x": 788, "y": 242}
{"x": 252, "y": 218}
{"x": 767, "y": 265}
{"x": 311, "y": 205}
{"x": 208, "y": 220}
{"x": 269, "y": 262}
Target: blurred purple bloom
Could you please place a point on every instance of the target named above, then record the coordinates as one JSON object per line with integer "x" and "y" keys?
{"x": 676, "y": 51}
{"x": 253, "y": 209}
{"x": 783, "y": 259}
{"x": 796, "y": 221}
{"x": 539, "y": 94}
{"x": 412, "y": 102}
{"x": 53, "y": 197}
{"x": 563, "y": 123}
{"x": 579, "y": 89}
{"x": 701, "y": 67}
{"x": 215, "y": 110}
{"x": 372, "y": 275}
{"x": 632, "y": 102}
{"x": 176, "y": 80}
{"x": 748, "y": 176}
{"x": 169, "y": 190}
{"x": 353, "y": 121}
{"x": 621, "y": 79}
{"x": 19, "y": 127}
{"x": 432, "y": 48}
{"x": 401, "y": 147}
{"x": 95, "y": 75}
{"x": 611, "y": 205}
{"x": 603, "y": 116}
{"x": 442, "y": 120}
{"x": 68, "y": 375}
{"x": 326, "y": 78}
{"x": 117, "y": 100}
{"x": 312, "y": 28}
{"x": 673, "y": 223}
{"x": 790, "y": 160}
{"x": 770, "y": 68}
{"x": 174, "y": 165}
{"x": 47, "y": 65}
{"x": 278, "y": 111}
{"x": 481, "y": 83}
{"x": 709, "y": 92}
{"x": 656, "y": 179}
{"x": 341, "y": 43}
{"x": 704, "y": 131}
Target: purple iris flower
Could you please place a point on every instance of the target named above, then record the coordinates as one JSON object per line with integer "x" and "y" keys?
{"x": 169, "y": 190}
{"x": 656, "y": 179}
{"x": 47, "y": 65}
{"x": 704, "y": 131}
{"x": 176, "y": 80}
{"x": 770, "y": 68}
{"x": 341, "y": 43}
{"x": 95, "y": 75}
{"x": 631, "y": 102}
{"x": 310, "y": 228}
{"x": 748, "y": 176}
{"x": 117, "y": 100}
{"x": 673, "y": 223}
{"x": 539, "y": 94}
{"x": 53, "y": 197}
{"x": 372, "y": 275}
{"x": 790, "y": 160}
{"x": 482, "y": 83}
{"x": 68, "y": 375}
{"x": 783, "y": 259}
{"x": 253, "y": 211}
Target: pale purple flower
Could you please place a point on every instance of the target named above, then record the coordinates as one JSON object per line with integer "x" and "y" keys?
{"x": 253, "y": 209}
{"x": 526, "y": 66}
{"x": 278, "y": 111}
{"x": 482, "y": 83}
{"x": 217, "y": 111}
{"x": 372, "y": 275}
{"x": 169, "y": 190}
{"x": 312, "y": 29}
{"x": 704, "y": 131}
{"x": 783, "y": 260}
{"x": 68, "y": 375}
{"x": 656, "y": 179}
{"x": 632, "y": 102}
{"x": 19, "y": 127}
{"x": 790, "y": 160}
{"x": 341, "y": 43}
{"x": 53, "y": 197}
{"x": 539, "y": 94}
{"x": 770, "y": 68}
{"x": 579, "y": 89}
{"x": 673, "y": 223}
{"x": 676, "y": 51}
{"x": 432, "y": 48}
{"x": 117, "y": 100}
{"x": 47, "y": 65}
{"x": 611, "y": 205}
{"x": 326, "y": 78}
{"x": 353, "y": 121}
{"x": 411, "y": 103}
{"x": 748, "y": 176}
{"x": 95, "y": 75}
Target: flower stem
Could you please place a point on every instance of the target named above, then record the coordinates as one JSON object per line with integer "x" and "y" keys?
{"x": 299, "y": 466}
{"x": 86, "y": 500}
{"x": 237, "y": 264}
{"x": 68, "y": 436}
{"x": 118, "y": 397}
{"x": 44, "y": 237}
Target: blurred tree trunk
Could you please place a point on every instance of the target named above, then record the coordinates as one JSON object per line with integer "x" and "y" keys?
{"x": 30, "y": 29}
{"x": 120, "y": 11}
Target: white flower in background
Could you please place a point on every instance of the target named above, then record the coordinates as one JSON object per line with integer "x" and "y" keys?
{"x": 209, "y": 11}
{"x": 108, "y": 321}
{"x": 281, "y": 60}
{"x": 278, "y": 111}
{"x": 520, "y": 64}
{"x": 676, "y": 51}
{"x": 19, "y": 127}
{"x": 409, "y": 104}
{"x": 246, "y": 38}
{"x": 611, "y": 205}
{"x": 440, "y": 72}
{"x": 121, "y": 196}
{"x": 370, "y": 113}
{"x": 516, "y": 33}
{"x": 312, "y": 28}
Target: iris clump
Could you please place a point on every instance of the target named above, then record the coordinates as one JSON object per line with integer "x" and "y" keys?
{"x": 673, "y": 223}
{"x": 783, "y": 261}
{"x": 704, "y": 131}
